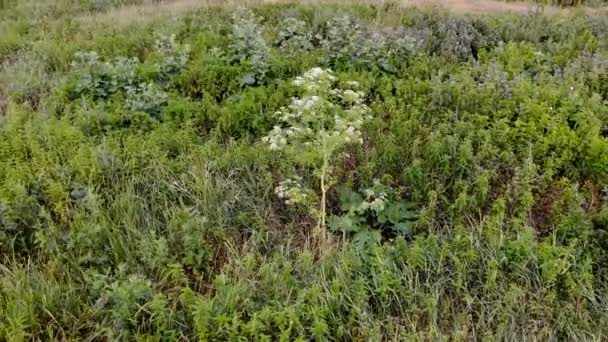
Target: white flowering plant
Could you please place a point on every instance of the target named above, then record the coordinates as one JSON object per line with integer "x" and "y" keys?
{"x": 314, "y": 129}
{"x": 373, "y": 214}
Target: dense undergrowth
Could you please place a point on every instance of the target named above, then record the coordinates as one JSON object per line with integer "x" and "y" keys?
{"x": 304, "y": 173}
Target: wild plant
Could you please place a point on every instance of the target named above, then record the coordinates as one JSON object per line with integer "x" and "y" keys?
{"x": 293, "y": 36}
{"x": 346, "y": 41}
{"x": 248, "y": 45}
{"x": 100, "y": 79}
{"x": 373, "y": 213}
{"x": 338, "y": 38}
{"x": 148, "y": 98}
{"x": 313, "y": 130}
{"x": 27, "y": 79}
{"x": 173, "y": 57}
{"x": 125, "y": 297}
{"x": 453, "y": 36}
{"x": 493, "y": 76}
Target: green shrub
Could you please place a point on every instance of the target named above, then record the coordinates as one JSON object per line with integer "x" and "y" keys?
{"x": 375, "y": 213}
{"x": 248, "y": 46}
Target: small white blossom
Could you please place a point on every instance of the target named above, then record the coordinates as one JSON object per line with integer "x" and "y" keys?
{"x": 377, "y": 204}
{"x": 291, "y": 191}
{"x": 350, "y": 96}
{"x": 350, "y": 131}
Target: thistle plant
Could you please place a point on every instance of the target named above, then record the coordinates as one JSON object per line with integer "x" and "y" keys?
{"x": 248, "y": 45}
{"x": 346, "y": 41}
{"x": 314, "y": 129}
{"x": 294, "y": 36}
{"x": 173, "y": 57}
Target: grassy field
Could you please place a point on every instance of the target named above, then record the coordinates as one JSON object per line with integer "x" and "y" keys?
{"x": 292, "y": 171}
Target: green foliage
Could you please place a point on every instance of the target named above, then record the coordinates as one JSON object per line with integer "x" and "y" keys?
{"x": 453, "y": 36}
{"x": 376, "y": 212}
{"x": 146, "y": 98}
{"x": 176, "y": 186}
{"x": 102, "y": 79}
{"x": 173, "y": 58}
{"x": 248, "y": 46}
{"x": 347, "y": 43}
{"x": 294, "y": 36}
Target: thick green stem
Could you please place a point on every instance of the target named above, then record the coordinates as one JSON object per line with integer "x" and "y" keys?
{"x": 323, "y": 195}
{"x": 321, "y": 227}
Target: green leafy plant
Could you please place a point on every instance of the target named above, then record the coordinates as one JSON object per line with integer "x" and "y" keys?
{"x": 452, "y": 35}
{"x": 147, "y": 98}
{"x": 99, "y": 79}
{"x": 347, "y": 42}
{"x": 173, "y": 57}
{"x": 248, "y": 46}
{"x": 375, "y": 213}
{"x": 135, "y": 203}
{"x": 294, "y": 36}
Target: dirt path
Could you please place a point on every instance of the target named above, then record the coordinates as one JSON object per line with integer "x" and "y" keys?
{"x": 129, "y": 14}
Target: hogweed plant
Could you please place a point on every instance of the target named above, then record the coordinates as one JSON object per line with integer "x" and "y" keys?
{"x": 314, "y": 129}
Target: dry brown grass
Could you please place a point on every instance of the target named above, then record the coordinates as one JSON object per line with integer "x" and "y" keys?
{"x": 133, "y": 14}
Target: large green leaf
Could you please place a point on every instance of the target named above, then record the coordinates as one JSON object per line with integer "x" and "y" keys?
{"x": 345, "y": 223}
{"x": 367, "y": 237}
{"x": 349, "y": 200}
{"x": 396, "y": 212}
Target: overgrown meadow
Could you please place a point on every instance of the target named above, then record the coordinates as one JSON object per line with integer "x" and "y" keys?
{"x": 298, "y": 172}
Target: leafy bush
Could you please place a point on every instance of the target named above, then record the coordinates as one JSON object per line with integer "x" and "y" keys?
{"x": 100, "y": 79}
{"x": 173, "y": 57}
{"x": 453, "y": 36}
{"x": 293, "y": 36}
{"x": 147, "y": 98}
{"x": 376, "y": 212}
{"x": 346, "y": 42}
{"x": 248, "y": 45}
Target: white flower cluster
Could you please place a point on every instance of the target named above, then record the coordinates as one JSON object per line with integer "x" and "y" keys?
{"x": 276, "y": 139}
{"x": 307, "y": 121}
{"x": 373, "y": 201}
{"x": 291, "y": 191}
{"x": 315, "y": 79}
